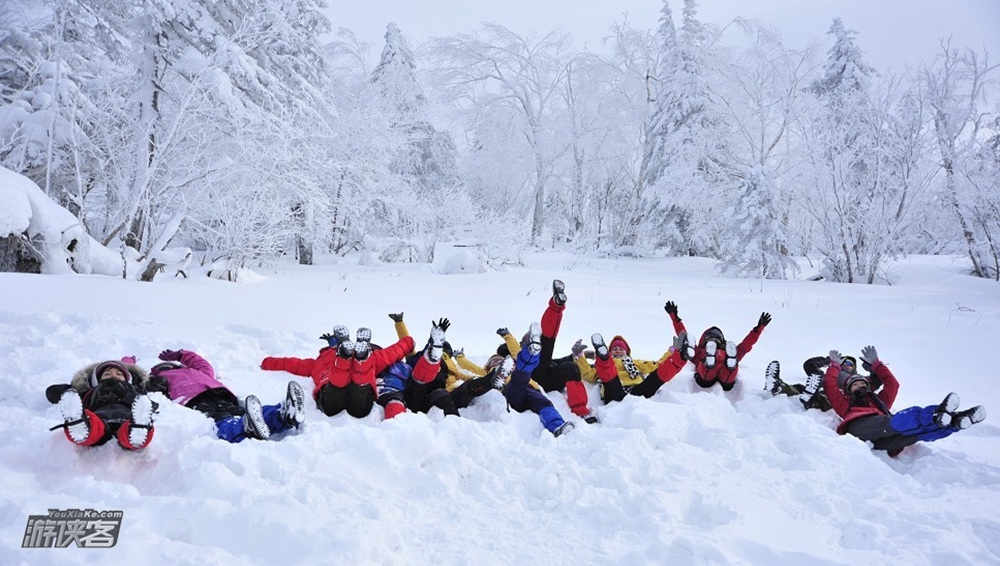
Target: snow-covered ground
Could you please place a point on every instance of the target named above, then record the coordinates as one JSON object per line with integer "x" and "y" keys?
{"x": 691, "y": 476}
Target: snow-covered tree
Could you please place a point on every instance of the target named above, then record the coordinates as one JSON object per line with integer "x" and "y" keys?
{"x": 519, "y": 77}
{"x": 956, "y": 87}
{"x": 759, "y": 97}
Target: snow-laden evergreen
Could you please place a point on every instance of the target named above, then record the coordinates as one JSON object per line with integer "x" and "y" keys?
{"x": 229, "y": 129}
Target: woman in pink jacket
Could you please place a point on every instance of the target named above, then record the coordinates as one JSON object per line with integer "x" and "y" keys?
{"x": 189, "y": 380}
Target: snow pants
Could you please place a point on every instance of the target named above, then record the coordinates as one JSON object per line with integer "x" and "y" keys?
{"x": 906, "y": 427}
{"x": 522, "y": 397}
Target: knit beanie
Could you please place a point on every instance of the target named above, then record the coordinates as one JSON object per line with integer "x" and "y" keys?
{"x": 619, "y": 342}
{"x": 99, "y": 369}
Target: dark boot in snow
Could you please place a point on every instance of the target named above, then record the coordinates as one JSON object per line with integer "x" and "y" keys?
{"x": 142, "y": 420}
{"x": 944, "y": 415}
{"x": 969, "y": 417}
{"x": 71, "y": 407}
{"x": 559, "y": 292}
{"x": 563, "y": 429}
{"x": 254, "y": 425}
{"x": 814, "y": 382}
{"x": 600, "y": 348}
{"x": 293, "y": 409}
{"x": 772, "y": 378}
{"x": 731, "y": 360}
{"x": 435, "y": 345}
{"x": 710, "y": 348}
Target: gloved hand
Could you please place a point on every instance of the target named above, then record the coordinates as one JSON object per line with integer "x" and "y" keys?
{"x": 764, "y": 320}
{"x": 671, "y": 308}
{"x": 396, "y": 316}
{"x": 459, "y": 352}
{"x": 578, "y": 348}
{"x": 330, "y": 339}
{"x": 681, "y": 344}
{"x": 869, "y": 355}
{"x": 170, "y": 355}
{"x": 502, "y": 331}
{"x": 442, "y": 323}
{"x": 836, "y": 357}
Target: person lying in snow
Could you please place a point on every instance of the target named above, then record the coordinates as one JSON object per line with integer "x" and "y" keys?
{"x": 715, "y": 358}
{"x": 104, "y": 400}
{"x": 516, "y": 373}
{"x": 867, "y": 415}
{"x": 417, "y": 381}
{"x": 560, "y": 374}
{"x": 344, "y": 372}
{"x": 189, "y": 380}
{"x": 619, "y": 374}
{"x": 810, "y": 393}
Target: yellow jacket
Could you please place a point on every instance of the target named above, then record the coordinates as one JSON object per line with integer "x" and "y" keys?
{"x": 645, "y": 367}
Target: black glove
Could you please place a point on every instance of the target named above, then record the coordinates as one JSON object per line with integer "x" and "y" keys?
{"x": 869, "y": 355}
{"x": 54, "y": 392}
{"x": 764, "y": 320}
{"x": 502, "y": 331}
{"x": 330, "y": 339}
{"x": 442, "y": 323}
{"x": 671, "y": 308}
{"x": 396, "y": 316}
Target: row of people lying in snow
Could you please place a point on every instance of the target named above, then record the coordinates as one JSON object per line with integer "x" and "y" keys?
{"x": 109, "y": 399}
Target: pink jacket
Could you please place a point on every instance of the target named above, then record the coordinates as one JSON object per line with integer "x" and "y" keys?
{"x": 196, "y": 377}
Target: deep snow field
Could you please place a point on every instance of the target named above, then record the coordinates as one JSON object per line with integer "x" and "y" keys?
{"x": 691, "y": 476}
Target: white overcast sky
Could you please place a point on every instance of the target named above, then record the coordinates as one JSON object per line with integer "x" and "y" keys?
{"x": 892, "y": 33}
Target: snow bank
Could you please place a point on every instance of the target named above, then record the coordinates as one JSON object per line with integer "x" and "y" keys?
{"x": 690, "y": 476}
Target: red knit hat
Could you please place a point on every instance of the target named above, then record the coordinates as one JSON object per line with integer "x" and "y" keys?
{"x": 619, "y": 342}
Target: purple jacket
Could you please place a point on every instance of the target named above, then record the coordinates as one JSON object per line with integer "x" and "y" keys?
{"x": 196, "y": 377}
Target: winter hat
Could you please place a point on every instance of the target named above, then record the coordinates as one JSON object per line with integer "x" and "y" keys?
{"x": 619, "y": 342}
{"x": 494, "y": 361}
{"x": 99, "y": 369}
{"x": 851, "y": 359}
{"x": 165, "y": 366}
{"x": 854, "y": 378}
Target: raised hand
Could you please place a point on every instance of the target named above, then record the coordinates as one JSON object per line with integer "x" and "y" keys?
{"x": 170, "y": 355}
{"x": 836, "y": 357}
{"x": 442, "y": 323}
{"x": 502, "y": 331}
{"x": 869, "y": 354}
{"x": 396, "y": 316}
{"x": 671, "y": 308}
{"x": 764, "y": 320}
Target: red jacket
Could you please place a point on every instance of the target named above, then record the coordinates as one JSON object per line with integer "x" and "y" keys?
{"x": 328, "y": 367}
{"x": 842, "y": 403}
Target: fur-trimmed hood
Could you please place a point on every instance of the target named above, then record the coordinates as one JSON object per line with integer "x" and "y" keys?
{"x": 81, "y": 379}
